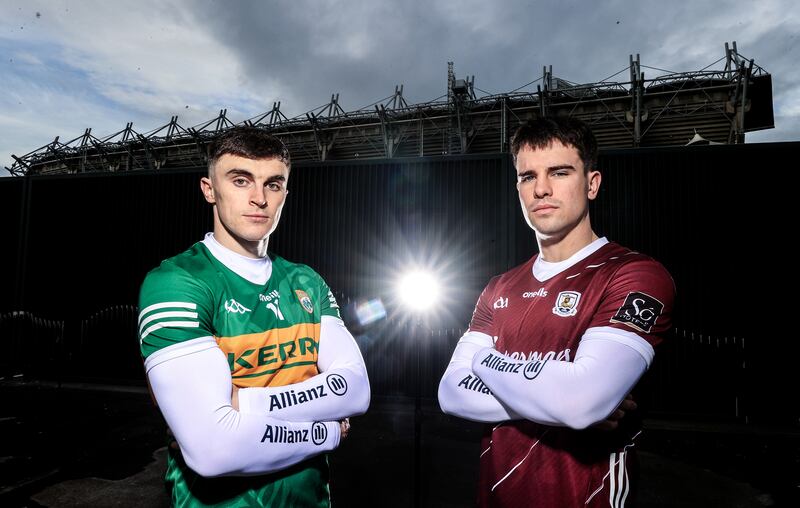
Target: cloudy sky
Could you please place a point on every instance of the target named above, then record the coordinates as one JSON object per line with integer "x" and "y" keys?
{"x": 69, "y": 65}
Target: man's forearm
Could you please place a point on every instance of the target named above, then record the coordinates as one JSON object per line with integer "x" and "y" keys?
{"x": 574, "y": 394}
{"x": 462, "y": 393}
{"x": 193, "y": 394}
{"x": 332, "y": 395}
{"x": 341, "y": 390}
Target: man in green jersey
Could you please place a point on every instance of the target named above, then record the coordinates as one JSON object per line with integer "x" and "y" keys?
{"x": 245, "y": 352}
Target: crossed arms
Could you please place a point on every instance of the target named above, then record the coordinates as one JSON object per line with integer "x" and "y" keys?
{"x": 191, "y": 382}
{"x": 484, "y": 385}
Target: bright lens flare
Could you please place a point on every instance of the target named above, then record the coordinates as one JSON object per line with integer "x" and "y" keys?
{"x": 418, "y": 290}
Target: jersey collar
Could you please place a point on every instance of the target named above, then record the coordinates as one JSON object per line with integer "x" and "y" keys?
{"x": 255, "y": 270}
{"x": 544, "y": 270}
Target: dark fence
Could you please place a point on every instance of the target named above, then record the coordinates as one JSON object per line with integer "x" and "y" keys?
{"x": 78, "y": 247}
{"x": 32, "y": 346}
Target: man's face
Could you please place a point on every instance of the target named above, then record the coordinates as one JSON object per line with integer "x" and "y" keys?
{"x": 248, "y": 195}
{"x": 554, "y": 190}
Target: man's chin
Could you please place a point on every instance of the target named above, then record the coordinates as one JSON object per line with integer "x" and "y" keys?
{"x": 547, "y": 234}
{"x": 542, "y": 230}
{"x": 257, "y": 235}
{"x": 259, "y": 238}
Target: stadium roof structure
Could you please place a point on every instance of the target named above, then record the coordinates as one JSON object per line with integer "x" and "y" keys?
{"x": 720, "y": 105}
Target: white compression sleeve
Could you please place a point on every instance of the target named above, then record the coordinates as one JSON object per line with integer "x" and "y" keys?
{"x": 341, "y": 390}
{"x": 192, "y": 385}
{"x": 461, "y": 391}
{"x": 607, "y": 365}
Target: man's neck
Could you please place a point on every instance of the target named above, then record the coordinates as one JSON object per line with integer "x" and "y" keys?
{"x": 555, "y": 249}
{"x": 253, "y": 250}
{"x": 255, "y": 270}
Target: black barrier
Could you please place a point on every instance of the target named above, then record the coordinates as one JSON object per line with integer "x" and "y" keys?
{"x": 79, "y": 246}
{"x": 33, "y": 346}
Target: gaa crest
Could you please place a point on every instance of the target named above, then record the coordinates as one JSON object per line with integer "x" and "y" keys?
{"x": 567, "y": 303}
{"x": 305, "y": 300}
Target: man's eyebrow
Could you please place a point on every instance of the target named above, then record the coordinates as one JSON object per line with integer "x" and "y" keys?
{"x": 244, "y": 172}
{"x": 239, "y": 172}
{"x": 549, "y": 168}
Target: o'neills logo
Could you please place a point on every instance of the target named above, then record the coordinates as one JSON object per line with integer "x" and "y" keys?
{"x": 499, "y": 364}
{"x": 292, "y": 398}
{"x": 534, "y": 294}
{"x": 283, "y": 434}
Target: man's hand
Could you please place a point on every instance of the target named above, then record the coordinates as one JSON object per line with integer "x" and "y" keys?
{"x": 235, "y": 397}
{"x": 173, "y": 443}
{"x": 612, "y": 421}
{"x": 344, "y": 426}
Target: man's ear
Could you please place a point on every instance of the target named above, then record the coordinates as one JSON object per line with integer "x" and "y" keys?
{"x": 593, "y": 183}
{"x": 207, "y": 188}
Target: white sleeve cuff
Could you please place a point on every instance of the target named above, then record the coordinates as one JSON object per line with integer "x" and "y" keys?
{"x": 624, "y": 337}
{"x": 178, "y": 350}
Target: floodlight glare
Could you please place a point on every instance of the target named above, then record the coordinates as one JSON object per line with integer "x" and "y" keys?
{"x": 370, "y": 311}
{"x": 418, "y": 290}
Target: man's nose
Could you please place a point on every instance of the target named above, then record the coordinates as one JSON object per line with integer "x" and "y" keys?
{"x": 259, "y": 197}
{"x": 542, "y": 188}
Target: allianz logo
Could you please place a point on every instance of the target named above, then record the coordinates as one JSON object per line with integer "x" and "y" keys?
{"x": 534, "y": 294}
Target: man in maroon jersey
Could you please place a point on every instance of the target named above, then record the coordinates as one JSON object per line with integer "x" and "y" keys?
{"x": 556, "y": 344}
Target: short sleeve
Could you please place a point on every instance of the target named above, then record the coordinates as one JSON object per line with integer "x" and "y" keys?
{"x": 482, "y": 316}
{"x": 328, "y": 305}
{"x": 174, "y": 307}
{"x": 639, "y": 298}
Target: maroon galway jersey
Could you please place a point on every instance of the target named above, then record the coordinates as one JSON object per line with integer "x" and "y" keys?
{"x": 527, "y": 464}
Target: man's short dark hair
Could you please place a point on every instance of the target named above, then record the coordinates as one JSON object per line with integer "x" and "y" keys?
{"x": 539, "y": 133}
{"x": 250, "y": 143}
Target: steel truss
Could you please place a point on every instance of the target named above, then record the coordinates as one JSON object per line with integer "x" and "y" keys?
{"x": 666, "y": 110}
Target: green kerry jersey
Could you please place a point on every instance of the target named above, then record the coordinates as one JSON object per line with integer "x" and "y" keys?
{"x": 270, "y": 335}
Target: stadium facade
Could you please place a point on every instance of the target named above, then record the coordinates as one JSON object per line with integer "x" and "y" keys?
{"x": 712, "y": 106}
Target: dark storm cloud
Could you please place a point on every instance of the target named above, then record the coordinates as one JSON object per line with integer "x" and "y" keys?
{"x": 315, "y": 51}
{"x": 158, "y": 58}
{"x": 364, "y": 49}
